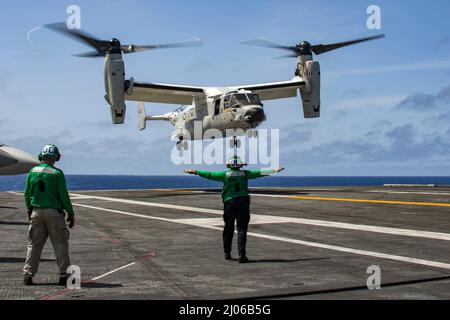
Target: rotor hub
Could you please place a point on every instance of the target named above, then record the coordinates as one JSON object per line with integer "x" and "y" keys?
{"x": 114, "y": 41}
{"x": 114, "y": 46}
{"x": 304, "y": 48}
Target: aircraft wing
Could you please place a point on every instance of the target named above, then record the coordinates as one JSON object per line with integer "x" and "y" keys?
{"x": 163, "y": 93}
{"x": 275, "y": 90}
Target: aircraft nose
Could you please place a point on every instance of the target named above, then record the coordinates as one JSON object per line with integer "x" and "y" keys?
{"x": 254, "y": 114}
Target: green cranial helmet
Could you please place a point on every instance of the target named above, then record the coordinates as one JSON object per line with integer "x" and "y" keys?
{"x": 49, "y": 151}
{"x": 235, "y": 162}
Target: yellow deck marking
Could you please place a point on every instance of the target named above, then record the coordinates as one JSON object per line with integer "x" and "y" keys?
{"x": 432, "y": 204}
{"x": 397, "y": 202}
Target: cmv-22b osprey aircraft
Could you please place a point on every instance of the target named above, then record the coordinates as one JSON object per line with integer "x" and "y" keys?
{"x": 220, "y": 108}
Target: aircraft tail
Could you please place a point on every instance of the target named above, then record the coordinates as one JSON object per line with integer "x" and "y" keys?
{"x": 143, "y": 118}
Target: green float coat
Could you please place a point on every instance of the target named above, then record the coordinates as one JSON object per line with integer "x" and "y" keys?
{"x": 46, "y": 188}
{"x": 235, "y": 181}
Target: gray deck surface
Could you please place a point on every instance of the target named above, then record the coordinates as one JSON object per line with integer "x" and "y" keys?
{"x": 304, "y": 243}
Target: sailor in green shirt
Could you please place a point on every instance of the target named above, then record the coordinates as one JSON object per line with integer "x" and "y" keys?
{"x": 236, "y": 199}
{"x": 46, "y": 198}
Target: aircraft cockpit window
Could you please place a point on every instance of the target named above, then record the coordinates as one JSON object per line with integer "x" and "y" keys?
{"x": 239, "y": 99}
{"x": 254, "y": 98}
{"x": 226, "y": 102}
{"x": 217, "y": 107}
{"x": 244, "y": 99}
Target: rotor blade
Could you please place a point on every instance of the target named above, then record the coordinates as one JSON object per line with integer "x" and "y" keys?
{"x": 135, "y": 48}
{"x": 287, "y": 56}
{"x": 322, "y": 48}
{"x": 81, "y": 36}
{"x": 91, "y": 54}
{"x": 268, "y": 44}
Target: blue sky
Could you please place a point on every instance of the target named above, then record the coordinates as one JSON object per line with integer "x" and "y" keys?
{"x": 385, "y": 104}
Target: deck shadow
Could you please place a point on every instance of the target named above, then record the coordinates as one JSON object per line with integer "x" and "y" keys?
{"x": 99, "y": 285}
{"x": 85, "y": 285}
{"x": 250, "y": 260}
{"x": 14, "y": 223}
{"x": 22, "y": 260}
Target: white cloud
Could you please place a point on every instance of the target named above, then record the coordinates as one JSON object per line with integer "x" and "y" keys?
{"x": 368, "y": 102}
{"x": 415, "y": 66}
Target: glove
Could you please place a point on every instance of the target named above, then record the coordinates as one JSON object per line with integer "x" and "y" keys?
{"x": 71, "y": 221}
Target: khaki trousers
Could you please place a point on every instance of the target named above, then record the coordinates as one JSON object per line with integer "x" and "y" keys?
{"x": 47, "y": 223}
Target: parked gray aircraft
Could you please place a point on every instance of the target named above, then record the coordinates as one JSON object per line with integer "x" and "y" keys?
{"x": 14, "y": 161}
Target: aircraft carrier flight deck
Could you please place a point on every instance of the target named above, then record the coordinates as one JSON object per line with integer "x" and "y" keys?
{"x": 303, "y": 243}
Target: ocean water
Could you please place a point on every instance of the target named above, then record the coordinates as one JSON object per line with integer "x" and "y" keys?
{"x": 94, "y": 182}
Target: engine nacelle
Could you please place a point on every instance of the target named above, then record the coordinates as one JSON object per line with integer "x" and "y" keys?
{"x": 310, "y": 93}
{"x": 115, "y": 87}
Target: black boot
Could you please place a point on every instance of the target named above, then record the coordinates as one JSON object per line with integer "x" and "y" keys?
{"x": 243, "y": 259}
{"x": 228, "y": 256}
{"x": 28, "y": 280}
{"x": 63, "y": 280}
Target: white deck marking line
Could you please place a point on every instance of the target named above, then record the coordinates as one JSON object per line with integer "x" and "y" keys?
{"x": 127, "y": 213}
{"x": 202, "y": 221}
{"x": 255, "y": 219}
{"x": 112, "y": 271}
{"x": 79, "y": 197}
{"x": 411, "y": 192}
{"x": 320, "y": 223}
{"x": 153, "y": 204}
{"x": 428, "y": 263}
{"x": 263, "y": 219}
